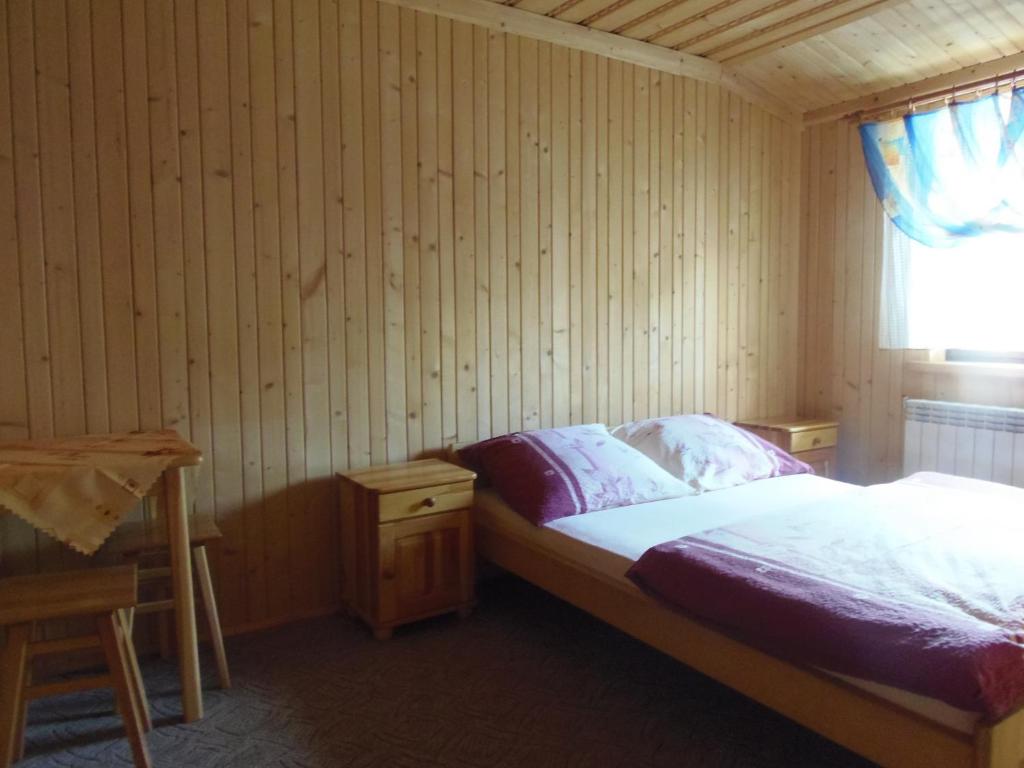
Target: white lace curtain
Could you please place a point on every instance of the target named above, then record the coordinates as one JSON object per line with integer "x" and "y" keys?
{"x": 969, "y": 296}
{"x": 951, "y": 182}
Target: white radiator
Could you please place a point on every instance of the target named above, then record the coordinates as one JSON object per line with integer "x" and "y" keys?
{"x": 960, "y": 439}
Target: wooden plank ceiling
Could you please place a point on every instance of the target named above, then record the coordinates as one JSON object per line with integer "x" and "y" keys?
{"x": 812, "y": 53}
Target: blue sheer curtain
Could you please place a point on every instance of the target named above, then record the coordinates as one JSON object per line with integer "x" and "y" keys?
{"x": 951, "y": 173}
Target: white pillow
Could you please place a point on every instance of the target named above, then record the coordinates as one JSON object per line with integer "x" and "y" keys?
{"x": 706, "y": 453}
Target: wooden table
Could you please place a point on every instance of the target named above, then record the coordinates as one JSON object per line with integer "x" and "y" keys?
{"x": 170, "y": 491}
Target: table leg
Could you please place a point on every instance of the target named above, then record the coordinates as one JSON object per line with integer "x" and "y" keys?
{"x": 176, "y": 515}
{"x": 12, "y": 667}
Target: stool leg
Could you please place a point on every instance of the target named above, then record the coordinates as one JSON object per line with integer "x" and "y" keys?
{"x": 113, "y": 647}
{"x": 19, "y": 745}
{"x": 202, "y": 565}
{"x": 133, "y": 667}
{"x": 12, "y": 692}
{"x": 163, "y": 621}
{"x": 163, "y": 626}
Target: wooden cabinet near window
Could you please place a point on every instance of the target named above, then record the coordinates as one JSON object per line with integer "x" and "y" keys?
{"x": 406, "y": 542}
{"x": 810, "y": 440}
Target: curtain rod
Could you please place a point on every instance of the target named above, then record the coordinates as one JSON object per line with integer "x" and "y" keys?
{"x": 973, "y": 88}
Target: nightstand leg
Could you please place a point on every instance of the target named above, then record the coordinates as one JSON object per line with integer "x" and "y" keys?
{"x": 383, "y": 633}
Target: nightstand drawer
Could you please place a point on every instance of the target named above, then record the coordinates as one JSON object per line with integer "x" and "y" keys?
{"x": 425, "y": 501}
{"x": 812, "y": 439}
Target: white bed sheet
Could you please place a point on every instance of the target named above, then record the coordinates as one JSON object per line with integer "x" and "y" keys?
{"x": 631, "y": 531}
{"x": 611, "y": 540}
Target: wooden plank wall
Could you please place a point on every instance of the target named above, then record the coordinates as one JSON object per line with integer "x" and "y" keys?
{"x": 966, "y": 384}
{"x": 844, "y": 374}
{"x": 314, "y": 235}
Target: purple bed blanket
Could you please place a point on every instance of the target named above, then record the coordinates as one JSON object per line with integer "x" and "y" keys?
{"x": 917, "y": 584}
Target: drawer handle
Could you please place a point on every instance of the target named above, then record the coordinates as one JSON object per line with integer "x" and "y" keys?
{"x": 430, "y": 502}
{"x": 816, "y": 441}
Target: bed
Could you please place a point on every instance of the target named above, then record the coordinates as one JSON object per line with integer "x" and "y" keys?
{"x": 583, "y": 560}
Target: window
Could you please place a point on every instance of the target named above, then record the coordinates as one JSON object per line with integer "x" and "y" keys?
{"x": 969, "y": 297}
{"x": 951, "y": 170}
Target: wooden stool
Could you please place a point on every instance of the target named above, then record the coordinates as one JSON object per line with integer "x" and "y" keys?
{"x": 102, "y": 594}
{"x": 139, "y": 540}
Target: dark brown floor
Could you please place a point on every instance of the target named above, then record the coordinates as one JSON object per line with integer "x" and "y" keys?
{"x": 526, "y": 681}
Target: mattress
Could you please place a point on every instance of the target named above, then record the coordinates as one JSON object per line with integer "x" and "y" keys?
{"x": 610, "y": 541}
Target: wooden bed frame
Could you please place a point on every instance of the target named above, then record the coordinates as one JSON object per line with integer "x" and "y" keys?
{"x": 862, "y": 722}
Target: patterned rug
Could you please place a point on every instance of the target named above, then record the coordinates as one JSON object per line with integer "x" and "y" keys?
{"x": 526, "y": 681}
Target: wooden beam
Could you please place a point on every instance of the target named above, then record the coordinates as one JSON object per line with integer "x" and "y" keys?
{"x": 518, "y": 22}
{"x": 735, "y": 53}
{"x": 904, "y": 93}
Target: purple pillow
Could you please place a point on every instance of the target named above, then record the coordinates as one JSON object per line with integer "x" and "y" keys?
{"x": 548, "y": 474}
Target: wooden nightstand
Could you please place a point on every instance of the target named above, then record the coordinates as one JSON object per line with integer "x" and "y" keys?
{"x": 810, "y": 440}
{"x": 406, "y": 542}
